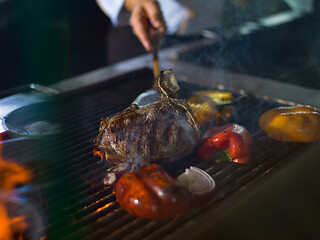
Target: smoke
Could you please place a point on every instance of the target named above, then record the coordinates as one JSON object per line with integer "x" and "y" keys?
{"x": 228, "y": 13}
{"x": 237, "y": 51}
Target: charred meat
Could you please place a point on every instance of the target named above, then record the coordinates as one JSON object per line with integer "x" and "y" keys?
{"x": 163, "y": 131}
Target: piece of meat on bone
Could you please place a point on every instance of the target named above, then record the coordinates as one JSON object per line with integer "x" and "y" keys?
{"x": 163, "y": 131}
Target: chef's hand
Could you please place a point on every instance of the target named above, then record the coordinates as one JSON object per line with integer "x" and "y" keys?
{"x": 145, "y": 15}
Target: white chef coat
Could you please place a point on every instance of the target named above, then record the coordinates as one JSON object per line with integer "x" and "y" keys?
{"x": 175, "y": 14}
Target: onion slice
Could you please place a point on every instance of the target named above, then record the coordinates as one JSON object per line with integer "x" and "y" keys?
{"x": 200, "y": 184}
{"x": 114, "y": 173}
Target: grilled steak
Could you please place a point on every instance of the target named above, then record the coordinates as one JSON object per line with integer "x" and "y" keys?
{"x": 163, "y": 131}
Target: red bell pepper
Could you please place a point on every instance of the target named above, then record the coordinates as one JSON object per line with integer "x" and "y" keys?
{"x": 152, "y": 193}
{"x": 232, "y": 139}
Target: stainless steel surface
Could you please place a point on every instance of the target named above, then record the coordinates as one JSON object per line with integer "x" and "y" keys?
{"x": 197, "y": 74}
{"x": 33, "y": 120}
{"x": 251, "y": 84}
{"x": 274, "y": 196}
{"x": 78, "y": 194}
{"x": 282, "y": 204}
{"x": 16, "y": 101}
{"x": 247, "y": 204}
{"x": 110, "y": 72}
{"x": 18, "y": 98}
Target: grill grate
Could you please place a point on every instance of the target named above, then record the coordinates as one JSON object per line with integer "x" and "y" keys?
{"x": 71, "y": 192}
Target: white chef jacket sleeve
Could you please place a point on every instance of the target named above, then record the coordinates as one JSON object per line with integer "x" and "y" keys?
{"x": 175, "y": 15}
{"x": 173, "y": 12}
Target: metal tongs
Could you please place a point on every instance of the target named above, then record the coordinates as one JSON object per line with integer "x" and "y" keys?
{"x": 150, "y": 96}
{"x": 155, "y": 39}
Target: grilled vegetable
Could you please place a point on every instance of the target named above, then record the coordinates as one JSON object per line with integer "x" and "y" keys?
{"x": 216, "y": 97}
{"x": 114, "y": 173}
{"x": 163, "y": 131}
{"x": 200, "y": 184}
{"x": 210, "y": 107}
{"x": 292, "y": 124}
{"x": 151, "y": 193}
{"x": 231, "y": 139}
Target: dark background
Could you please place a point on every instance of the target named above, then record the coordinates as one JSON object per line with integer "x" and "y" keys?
{"x": 47, "y": 41}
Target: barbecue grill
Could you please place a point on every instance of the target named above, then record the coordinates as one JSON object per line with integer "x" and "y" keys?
{"x": 67, "y": 186}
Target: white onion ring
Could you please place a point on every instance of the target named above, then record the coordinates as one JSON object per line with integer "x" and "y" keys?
{"x": 114, "y": 173}
{"x": 200, "y": 184}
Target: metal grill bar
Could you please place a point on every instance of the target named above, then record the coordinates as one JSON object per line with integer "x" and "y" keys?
{"x": 79, "y": 207}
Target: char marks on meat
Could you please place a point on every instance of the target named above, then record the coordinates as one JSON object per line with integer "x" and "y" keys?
{"x": 163, "y": 131}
